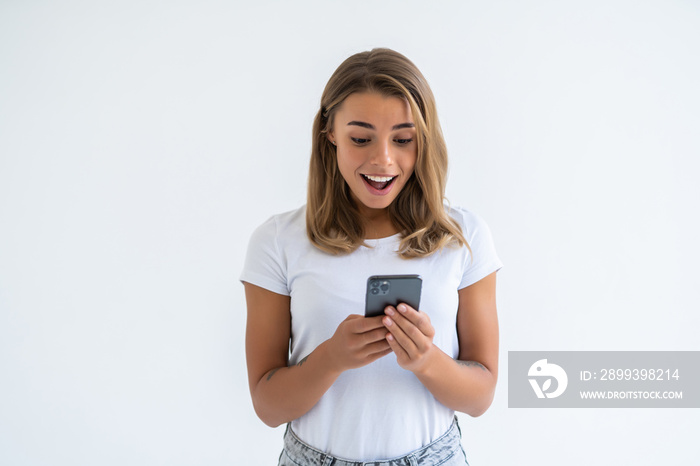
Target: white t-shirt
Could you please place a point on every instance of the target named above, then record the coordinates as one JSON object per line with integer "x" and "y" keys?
{"x": 381, "y": 410}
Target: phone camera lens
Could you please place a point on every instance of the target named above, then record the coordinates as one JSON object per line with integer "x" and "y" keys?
{"x": 375, "y": 291}
{"x": 384, "y": 286}
{"x": 374, "y": 284}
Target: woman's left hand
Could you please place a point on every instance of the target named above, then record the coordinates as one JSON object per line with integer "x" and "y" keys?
{"x": 410, "y": 336}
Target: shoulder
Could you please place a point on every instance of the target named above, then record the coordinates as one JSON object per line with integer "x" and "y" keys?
{"x": 267, "y": 256}
{"x": 279, "y": 232}
{"x": 287, "y": 222}
{"x": 482, "y": 258}
{"x": 470, "y": 222}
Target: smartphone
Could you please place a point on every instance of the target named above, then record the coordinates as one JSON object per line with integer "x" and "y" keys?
{"x": 390, "y": 290}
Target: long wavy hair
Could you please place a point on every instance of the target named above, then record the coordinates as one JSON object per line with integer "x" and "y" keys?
{"x": 333, "y": 222}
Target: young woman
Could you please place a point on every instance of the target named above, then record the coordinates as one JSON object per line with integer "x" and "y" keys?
{"x": 386, "y": 388}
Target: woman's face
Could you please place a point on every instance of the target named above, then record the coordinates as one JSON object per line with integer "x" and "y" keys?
{"x": 376, "y": 147}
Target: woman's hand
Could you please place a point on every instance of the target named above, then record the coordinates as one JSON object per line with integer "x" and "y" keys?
{"x": 282, "y": 393}
{"x": 467, "y": 383}
{"x": 410, "y": 336}
{"x": 357, "y": 341}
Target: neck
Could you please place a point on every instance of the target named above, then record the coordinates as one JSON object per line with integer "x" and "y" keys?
{"x": 377, "y": 223}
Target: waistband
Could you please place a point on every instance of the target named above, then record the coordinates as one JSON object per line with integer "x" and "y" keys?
{"x": 436, "y": 452}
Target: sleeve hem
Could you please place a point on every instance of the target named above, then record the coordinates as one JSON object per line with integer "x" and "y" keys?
{"x": 478, "y": 274}
{"x": 264, "y": 282}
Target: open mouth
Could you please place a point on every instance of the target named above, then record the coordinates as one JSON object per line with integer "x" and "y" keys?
{"x": 380, "y": 183}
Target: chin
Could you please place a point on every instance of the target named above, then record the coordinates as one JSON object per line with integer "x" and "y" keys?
{"x": 377, "y": 204}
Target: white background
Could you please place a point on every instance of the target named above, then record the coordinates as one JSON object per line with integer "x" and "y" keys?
{"x": 142, "y": 141}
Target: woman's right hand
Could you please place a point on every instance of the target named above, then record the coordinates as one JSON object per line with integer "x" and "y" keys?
{"x": 281, "y": 392}
{"x": 357, "y": 341}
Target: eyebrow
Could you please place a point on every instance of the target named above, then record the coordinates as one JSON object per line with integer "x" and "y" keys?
{"x": 370, "y": 126}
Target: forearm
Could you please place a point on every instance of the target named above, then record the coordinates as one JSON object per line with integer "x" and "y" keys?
{"x": 465, "y": 386}
{"x": 286, "y": 393}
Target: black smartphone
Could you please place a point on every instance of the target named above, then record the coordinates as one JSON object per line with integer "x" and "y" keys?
{"x": 391, "y": 290}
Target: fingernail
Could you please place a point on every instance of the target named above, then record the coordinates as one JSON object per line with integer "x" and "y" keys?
{"x": 402, "y": 308}
{"x": 388, "y": 322}
{"x": 389, "y": 311}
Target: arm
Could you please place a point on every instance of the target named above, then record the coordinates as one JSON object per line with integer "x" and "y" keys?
{"x": 466, "y": 384}
{"x": 281, "y": 393}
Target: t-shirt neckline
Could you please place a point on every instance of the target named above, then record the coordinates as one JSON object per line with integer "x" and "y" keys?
{"x": 386, "y": 241}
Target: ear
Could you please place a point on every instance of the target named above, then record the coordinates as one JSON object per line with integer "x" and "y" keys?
{"x": 331, "y": 137}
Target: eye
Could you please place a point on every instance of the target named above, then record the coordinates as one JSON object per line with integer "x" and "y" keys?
{"x": 403, "y": 142}
{"x": 360, "y": 141}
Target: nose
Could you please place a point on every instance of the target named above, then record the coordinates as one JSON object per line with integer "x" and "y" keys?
{"x": 382, "y": 155}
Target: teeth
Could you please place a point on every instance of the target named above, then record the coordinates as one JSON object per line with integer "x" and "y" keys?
{"x": 379, "y": 179}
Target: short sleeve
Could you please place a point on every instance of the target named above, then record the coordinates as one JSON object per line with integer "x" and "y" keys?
{"x": 483, "y": 259}
{"x": 264, "y": 264}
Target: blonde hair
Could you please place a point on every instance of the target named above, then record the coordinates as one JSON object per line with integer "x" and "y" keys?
{"x": 333, "y": 222}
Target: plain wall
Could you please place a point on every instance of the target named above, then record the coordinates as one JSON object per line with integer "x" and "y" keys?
{"x": 141, "y": 142}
